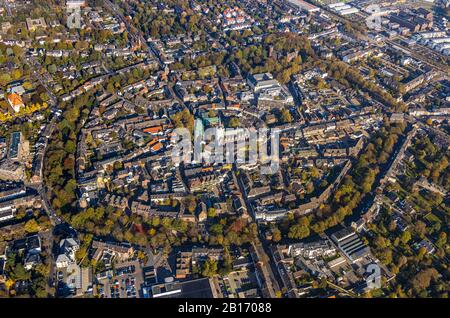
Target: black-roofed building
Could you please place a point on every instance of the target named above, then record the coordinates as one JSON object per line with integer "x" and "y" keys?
{"x": 350, "y": 244}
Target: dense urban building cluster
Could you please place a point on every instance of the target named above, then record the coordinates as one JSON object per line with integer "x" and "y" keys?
{"x": 94, "y": 92}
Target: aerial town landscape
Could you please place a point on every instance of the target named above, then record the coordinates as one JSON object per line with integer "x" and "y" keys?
{"x": 230, "y": 149}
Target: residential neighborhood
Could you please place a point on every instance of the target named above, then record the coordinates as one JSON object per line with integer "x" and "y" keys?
{"x": 235, "y": 149}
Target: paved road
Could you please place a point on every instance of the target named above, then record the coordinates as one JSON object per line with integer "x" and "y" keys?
{"x": 46, "y": 132}
{"x": 241, "y": 186}
{"x": 271, "y": 284}
{"x": 342, "y": 290}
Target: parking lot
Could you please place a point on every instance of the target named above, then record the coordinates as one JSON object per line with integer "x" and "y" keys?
{"x": 126, "y": 283}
